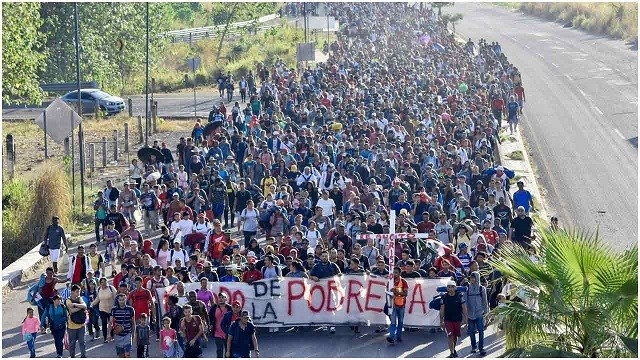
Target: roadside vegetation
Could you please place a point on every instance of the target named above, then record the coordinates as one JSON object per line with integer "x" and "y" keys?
{"x": 27, "y": 207}
{"x": 619, "y": 20}
{"x": 582, "y": 298}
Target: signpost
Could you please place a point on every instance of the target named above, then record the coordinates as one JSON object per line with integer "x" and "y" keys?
{"x": 194, "y": 63}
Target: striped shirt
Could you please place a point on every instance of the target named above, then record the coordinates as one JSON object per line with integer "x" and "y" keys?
{"x": 123, "y": 317}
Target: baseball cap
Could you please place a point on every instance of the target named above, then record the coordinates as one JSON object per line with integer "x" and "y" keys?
{"x": 236, "y": 303}
{"x": 451, "y": 283}
{"x": 251, "y": 254}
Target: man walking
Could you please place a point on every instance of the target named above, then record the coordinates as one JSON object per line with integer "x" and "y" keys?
{"x": 55, "y": 237}
{"x": 453, "y": 312}
{"x": 477, "y": 307}
{"x": 399, "y": 292}
{"x": 77, "y": 317}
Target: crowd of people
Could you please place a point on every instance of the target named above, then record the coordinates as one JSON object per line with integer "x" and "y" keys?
{"x": 401, "y": 118}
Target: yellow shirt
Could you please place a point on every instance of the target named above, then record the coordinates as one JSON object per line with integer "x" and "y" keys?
{"x": 70, "y": 324}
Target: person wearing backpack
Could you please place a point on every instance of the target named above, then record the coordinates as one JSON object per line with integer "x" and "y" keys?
{"x": 249, "y": 218}
{"x": 57, "y": 316}
{"x": 477, "y": 308}
{"x": 241, "y": 339}
{"x": 77, "y": 318}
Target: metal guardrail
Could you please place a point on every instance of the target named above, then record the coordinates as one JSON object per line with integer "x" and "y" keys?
{"x": 64, "y": 87}
{"x": 188, "y": 35}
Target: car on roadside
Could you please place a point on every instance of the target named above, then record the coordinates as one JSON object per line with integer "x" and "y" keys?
{"x": 90, "y": 98}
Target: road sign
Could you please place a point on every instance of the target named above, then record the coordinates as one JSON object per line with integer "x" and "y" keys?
{"x": 321, "y": 22}
{"x": 306, "y": 52}
{"x": 193, "y": 62}
{"x": 59, "y": 116}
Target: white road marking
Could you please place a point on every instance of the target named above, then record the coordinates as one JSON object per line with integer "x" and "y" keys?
{"x": 556, "y": 48}
{"x": 597, "y": 109}
{"x": 514, "y": 39}
{"x": 582, "y": 92}
{"x": 555, "y": 65}
{"x": 527, "y": 46}
{"x": 568, "y": 77}
{"x": 619, "y": 133}
{"x": 540, "y": 55}
{"x": 578, "y": 59}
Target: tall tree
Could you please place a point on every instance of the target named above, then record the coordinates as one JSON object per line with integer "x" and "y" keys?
{"x": 22, "y": 57}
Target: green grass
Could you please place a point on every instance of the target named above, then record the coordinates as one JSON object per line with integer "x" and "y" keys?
{"x": 506, "y": 138}
{"x": 516, "y": 155}
{"x": 619, "y": 20}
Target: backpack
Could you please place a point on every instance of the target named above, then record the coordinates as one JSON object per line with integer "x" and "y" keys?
{"x": 184, "y": 252}
{"x": 78, "y": 317}
{"x": 264, "y": 218}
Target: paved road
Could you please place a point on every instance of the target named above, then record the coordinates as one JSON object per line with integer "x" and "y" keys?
{"x": 581, "y": 117}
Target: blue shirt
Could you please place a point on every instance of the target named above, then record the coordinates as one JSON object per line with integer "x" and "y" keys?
{"x": 522, "y": 198}
{"x": 513, "y": 107}
{"x": 123, "y": 317}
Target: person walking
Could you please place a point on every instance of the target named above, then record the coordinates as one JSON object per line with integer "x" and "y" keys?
{"x": 56, "y": 316}
{"x": 30, "y": 326}
{"x": 477, "y": 308}
{"x": 54, "y": 237}
{"x": 242, "y": 339}
{"x": 124, "y": 326}
{"x": 453, "y": 312}
{"x": 216, "y": 315}
{"x": 77, "y": 318}
{"x": 399, "y": 293}
{"x": 143, "y": 330}
{"x": 192, "y": 329}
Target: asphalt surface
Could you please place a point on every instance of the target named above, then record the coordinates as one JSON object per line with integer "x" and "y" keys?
{"x": 581, "y": 116}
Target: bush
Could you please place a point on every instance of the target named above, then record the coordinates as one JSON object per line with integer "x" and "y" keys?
{"x": 27, "y": 208}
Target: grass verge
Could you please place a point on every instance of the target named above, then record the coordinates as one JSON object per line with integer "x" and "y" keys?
{"x": 619, "y": 20}
{"x": 27, "y": 208}
{"x": 516, "y": 155}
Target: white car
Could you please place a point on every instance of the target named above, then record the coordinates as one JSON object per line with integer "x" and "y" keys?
{"x": 108, "y": 103}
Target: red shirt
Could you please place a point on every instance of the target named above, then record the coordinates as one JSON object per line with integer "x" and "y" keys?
{"x": 425, "y": 226}
{"x": 140, "y": 299}
{"x": 252, "y": 275}
{"x": 497, "y": 104}
{"x": 490, "y": 235}
{"x": 453, "y": 260}
{"x": 77, "y": 272}
{"x": 519, "y": 90}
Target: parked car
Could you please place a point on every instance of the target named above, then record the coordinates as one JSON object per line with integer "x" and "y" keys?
{"x": 108, "y": 104}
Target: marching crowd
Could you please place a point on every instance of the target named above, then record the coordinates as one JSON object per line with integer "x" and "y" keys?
{"x": 401, "y": 118}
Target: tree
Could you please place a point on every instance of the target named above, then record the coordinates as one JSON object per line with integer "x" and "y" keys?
{"x": 22, "y": 57}
{"x": 440, "y": 5}
{"x": 586, "y": 295}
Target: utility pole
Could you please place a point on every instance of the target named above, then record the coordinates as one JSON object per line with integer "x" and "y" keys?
{"x": 304, "y": 14}
{"x": 80, "y": 131}
{"x": 146, "y": 85}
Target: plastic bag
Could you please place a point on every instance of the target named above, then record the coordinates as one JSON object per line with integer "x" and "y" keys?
{"x": 65, "y": 341}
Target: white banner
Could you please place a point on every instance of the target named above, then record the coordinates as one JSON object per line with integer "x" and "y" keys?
{"x": 341, "y": 300}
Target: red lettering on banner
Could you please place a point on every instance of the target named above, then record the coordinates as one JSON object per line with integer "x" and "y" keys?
{"x": 351, "y": 294}
{"x": 371, "y": 295}
{"x": 310, "y": 300}
{"x": 333, "y": 286}
{"x": 293, "y": 297}
{"x": 418, "y": 290}
{"x": 239, "y": 296}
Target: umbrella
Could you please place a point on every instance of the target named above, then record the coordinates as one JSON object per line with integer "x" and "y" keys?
{"x": 145, "y": 153}
{"x": 438, "y": 47}
{"x": 212, "y": 127}
{"x": 510, "y": 173}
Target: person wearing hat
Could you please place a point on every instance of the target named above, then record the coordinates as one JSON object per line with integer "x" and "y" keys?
{"x": 453, "y": 313}
{"x": 128, "y": 201}
{"x": 229, "y": 276}
{"x": 54, "y": 237}
{"x": 464, "y": 256}
{"x": 251, "y": 274}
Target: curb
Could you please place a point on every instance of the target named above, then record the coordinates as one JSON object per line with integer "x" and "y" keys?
{"x": 523, "y": 169}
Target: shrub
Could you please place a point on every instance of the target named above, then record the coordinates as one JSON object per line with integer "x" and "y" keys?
{"x": 27, "y": 208}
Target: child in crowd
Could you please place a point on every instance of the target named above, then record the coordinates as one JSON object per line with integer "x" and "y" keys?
{"x": 169, "y": 342}
{"x": 30, "y": 326}
{"x": 142, "y": 336}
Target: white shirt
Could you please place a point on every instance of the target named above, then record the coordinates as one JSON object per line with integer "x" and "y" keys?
{"x": 327, "y": 206}
{"x": 203, "y": 228}
{"x": 186, "y": 226}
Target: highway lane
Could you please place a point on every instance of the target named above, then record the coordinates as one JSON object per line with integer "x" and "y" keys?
{"x": 581, "y": 116}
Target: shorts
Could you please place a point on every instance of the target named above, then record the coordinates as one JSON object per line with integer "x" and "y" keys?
{"x": 218, "y": 209}
{"x": 123, "y": 344}
{"x": 513, "y": 119}
{"x": 453, "y": 328}
{"x": 55, "y": 254}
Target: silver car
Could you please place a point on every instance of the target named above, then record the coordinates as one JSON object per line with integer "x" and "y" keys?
{"x": 90, "y": 97}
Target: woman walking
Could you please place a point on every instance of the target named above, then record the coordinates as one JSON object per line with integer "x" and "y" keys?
{"x": 56, "y": 315}
{"x": 106, "y": 295}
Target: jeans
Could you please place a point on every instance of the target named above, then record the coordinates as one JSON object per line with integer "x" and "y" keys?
{"x": 142, "y": 351}
{"x": 397, "y": 320}
{"x": 104, "y": 316}
{"x": 476, "y": 324}
{"x": 99, "y": 222}
{"x": 58, "y": 339}
{"x": 42, "y": 305}
{"x": 247, "y": 237}
{"x": 221, "y": 344}
{"x": 76, "y": 335}
{"x": 31, "y": 344}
